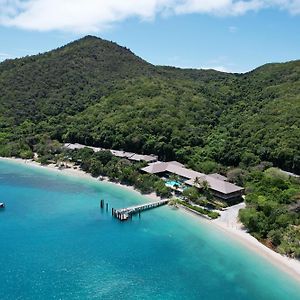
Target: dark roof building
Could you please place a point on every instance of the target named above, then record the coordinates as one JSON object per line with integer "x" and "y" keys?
{"x": 217, "y": 183}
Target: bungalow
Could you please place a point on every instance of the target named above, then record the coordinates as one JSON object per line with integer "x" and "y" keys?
{"x": 218, "y": 184}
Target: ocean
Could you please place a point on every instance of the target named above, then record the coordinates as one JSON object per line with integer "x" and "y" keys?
{"x": 56, "y": 243}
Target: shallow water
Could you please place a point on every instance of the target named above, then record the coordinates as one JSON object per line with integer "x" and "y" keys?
{"x": 56, "y": 243}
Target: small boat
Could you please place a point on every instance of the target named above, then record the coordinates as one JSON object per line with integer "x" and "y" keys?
{"x": 2, "y": 205}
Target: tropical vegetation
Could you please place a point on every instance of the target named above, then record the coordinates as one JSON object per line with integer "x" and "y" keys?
{"x": 272, "y": 214}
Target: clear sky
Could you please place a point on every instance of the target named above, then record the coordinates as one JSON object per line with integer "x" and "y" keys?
{"x": 228, "y": 35}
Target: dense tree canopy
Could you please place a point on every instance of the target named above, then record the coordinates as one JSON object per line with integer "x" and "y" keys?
{"x": 273, "y": 210}
{"x": 98, "y": 93}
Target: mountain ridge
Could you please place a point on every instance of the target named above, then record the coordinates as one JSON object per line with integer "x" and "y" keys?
{"x": 98, "y": 39}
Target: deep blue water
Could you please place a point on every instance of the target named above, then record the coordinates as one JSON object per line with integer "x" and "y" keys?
{"x": 55, "y": 243}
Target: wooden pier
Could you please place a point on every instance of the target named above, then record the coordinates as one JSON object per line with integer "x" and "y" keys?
{"x": 124, "y": 214}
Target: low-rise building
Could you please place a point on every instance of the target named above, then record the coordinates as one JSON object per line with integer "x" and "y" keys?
{"x": 217, "y": 183}
{"x": 118, "y": 153}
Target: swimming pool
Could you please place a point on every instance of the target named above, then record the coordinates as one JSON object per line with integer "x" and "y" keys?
{"x": 174, "y": 183}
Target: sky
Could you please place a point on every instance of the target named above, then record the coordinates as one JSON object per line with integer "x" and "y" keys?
{"x": 226, "y": 35}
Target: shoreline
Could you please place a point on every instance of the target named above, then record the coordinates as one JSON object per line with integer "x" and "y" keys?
{"x": 76, "y": 173}
{"x": 227, "y": 223}
{"x": 235, "y": 230}
{"x": 284, "y": 263}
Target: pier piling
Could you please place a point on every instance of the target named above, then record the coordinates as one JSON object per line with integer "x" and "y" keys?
{"x": 102, "y": 203}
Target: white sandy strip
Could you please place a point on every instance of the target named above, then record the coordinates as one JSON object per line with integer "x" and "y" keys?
{"x": 228, "y": 222}
{"x": 235, "y": 230}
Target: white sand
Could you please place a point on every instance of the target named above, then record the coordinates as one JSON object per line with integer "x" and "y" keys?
{"x": 228, "y": 222}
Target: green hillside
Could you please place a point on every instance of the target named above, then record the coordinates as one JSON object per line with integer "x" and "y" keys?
{"x": 95, "y": 92}
{"x": 65, "y": 80}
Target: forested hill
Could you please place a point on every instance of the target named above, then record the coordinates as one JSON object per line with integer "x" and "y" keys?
{"x": 95, "y": 92}
{"x": 67, "y": 79}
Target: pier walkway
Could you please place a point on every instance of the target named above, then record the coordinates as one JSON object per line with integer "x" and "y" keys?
{"x": 125, "y": 213}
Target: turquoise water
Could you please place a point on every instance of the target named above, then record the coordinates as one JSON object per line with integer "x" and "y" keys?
{"x": 174, "y": 183}
{"x": 57, "y": 244}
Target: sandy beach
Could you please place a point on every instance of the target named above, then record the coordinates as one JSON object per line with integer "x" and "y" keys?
{"x": 228, "y": 222}
{"x": 230, "y": 225}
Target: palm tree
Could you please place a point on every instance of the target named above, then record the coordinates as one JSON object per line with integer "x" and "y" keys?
{"x": 206, "y": 189}
{"x": 174, "y": 202}
{"x": 204, "y": 186}
{"x": 174, "y": 177}
{"x": 198, "y": 182}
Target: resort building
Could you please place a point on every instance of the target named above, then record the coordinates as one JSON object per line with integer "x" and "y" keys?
{"x": 134, "y": 156}
{"x": 118, "y": 153}
{"x": 217, "y": 183}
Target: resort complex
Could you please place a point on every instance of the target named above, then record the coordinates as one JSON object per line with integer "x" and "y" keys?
{"x": 159, "y": 162}
{"x": 186, "y": 177}
{"x": 182, "y": 176}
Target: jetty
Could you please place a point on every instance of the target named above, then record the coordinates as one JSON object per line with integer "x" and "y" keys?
{"x": 124, "y": 214}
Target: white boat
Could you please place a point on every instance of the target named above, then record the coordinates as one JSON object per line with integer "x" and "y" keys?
{"x": 2, "y": 205}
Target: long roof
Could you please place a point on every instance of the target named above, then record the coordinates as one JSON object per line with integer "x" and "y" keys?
{"x": 117, "y": 153}
{"x": 172, "y": 167}
{"x": 159, "y": 167}
{"x": 141, "y": 157}
{"x": 218, "y": 176}
{"x": 219, "y": 185}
